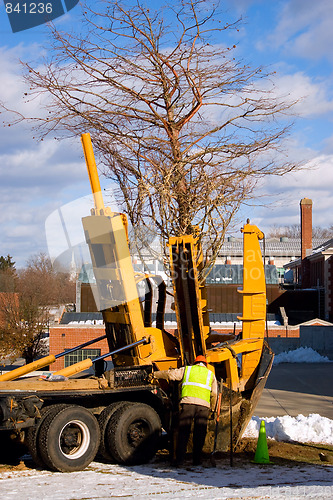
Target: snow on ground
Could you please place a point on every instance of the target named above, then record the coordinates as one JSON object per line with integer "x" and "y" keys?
{"x": 314, "y": 428}
{"x": 88, "y": 322}
{"x": 300, "y": 355}
{"x": 159, "y": 481}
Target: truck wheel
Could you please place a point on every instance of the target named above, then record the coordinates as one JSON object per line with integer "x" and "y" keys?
{"x": 133, "y": 433}
{"x": 104, "y": 421}
{"x": 69, "y": 439}
{"x": 31, "y": 437}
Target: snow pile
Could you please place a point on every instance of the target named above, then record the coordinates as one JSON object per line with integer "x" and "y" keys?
{"x": 87, "y": 322}
{"x": 314, "y": 428}
{"x": 300, "y": 355}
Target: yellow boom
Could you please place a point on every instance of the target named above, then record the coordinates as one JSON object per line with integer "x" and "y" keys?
{"x": 92, "y": 172}
{"x": 23, "y": 370}
{"x": 46, "y": 361}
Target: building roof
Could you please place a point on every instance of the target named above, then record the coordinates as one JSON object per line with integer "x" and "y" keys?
{"x": 316, "y": 322}
{"x": 325, "y": 247}
{"x": 232, "y": 246}
{"x": 96, "y": 318}
{"x": 273, "y": 246}
{"x": 88, "y": 318}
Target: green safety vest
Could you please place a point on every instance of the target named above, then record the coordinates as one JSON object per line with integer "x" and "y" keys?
{"x": 197, "y": 382}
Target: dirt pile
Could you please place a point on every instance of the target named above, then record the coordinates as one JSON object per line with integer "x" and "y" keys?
{"x": 286, "y": 453}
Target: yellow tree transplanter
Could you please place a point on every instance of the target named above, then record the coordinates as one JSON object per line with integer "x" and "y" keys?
{"x": 121, "y": 411}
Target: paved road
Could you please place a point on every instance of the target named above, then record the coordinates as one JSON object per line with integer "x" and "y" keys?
{"x": 294, "y": 388}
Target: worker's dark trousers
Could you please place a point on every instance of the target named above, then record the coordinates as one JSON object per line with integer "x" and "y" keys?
{"x": 200, "y": 415}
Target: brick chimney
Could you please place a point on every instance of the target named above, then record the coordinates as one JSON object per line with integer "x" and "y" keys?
{"x": 306, "y": 227}
{"x": 306, "y": 239}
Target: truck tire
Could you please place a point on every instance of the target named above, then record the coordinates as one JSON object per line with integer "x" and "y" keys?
{"x": 31, "y": 437}
{"x": 68, "y": 440}
{"x": 133, "y": 433}
{"x": 104, "y": 419}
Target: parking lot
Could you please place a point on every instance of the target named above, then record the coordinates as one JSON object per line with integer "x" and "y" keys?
{"x": 298, "y": 388}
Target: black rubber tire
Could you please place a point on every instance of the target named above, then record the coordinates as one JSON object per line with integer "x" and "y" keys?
{"x": 104, "y": 421}
{"x": 31, "y": 437}
{"x": 68, "y": 440}
{"x": 133, "y": 434}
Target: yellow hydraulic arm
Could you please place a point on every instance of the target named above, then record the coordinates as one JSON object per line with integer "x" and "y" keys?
{"x": 46, "y": 361}
{"x": 118, "y": 299}
{"x": 254, "y": 297}
{"x": 88, "y": 363}
{"x": 253, "y": 318}
{"x": 190, "y": 299}
{"x": 92, "y": 172}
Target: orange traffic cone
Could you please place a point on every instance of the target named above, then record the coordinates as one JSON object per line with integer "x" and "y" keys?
{"x": 261, "y": 456}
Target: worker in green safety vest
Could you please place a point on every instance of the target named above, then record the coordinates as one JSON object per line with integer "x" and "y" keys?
{"x": 198, "y": 398}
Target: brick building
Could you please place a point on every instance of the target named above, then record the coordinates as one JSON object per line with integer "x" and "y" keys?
{"x": 66, "y": 336}
{"x": 63, "y": 337}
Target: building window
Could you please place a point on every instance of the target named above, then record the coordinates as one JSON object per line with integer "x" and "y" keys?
{"x": 280, "y": 272}
{"x": 80, "y": 355}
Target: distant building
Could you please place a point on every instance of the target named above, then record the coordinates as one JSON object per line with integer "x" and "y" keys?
{"x": 318, "y": 266}
{"x": 278, "y": 252}
{"x": 314, "y": 268}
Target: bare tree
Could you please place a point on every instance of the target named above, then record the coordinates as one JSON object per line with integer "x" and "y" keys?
{"x": 6, "y": 263}
{"x": 294, "y": 231}
{"x": 184, "y": 128}
{"x": 7, "y": 274}
{"x": 25, "y": 313}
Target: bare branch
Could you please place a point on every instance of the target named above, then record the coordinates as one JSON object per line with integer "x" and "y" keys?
{"x": 184, "y": 128}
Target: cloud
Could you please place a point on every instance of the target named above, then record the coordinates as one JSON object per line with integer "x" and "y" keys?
{"x": 35, "y": 181}
{"x": 315, "y": 95}
{"x": 310, "y": 178}
{"x": 36, "y": 177}
{"x": 44, "y": 165}
{"x": 283, "y": 194}
{"x": 39, "y": 177}
{"x": 328, "y": 145}
{"x": 304, "y": 29}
